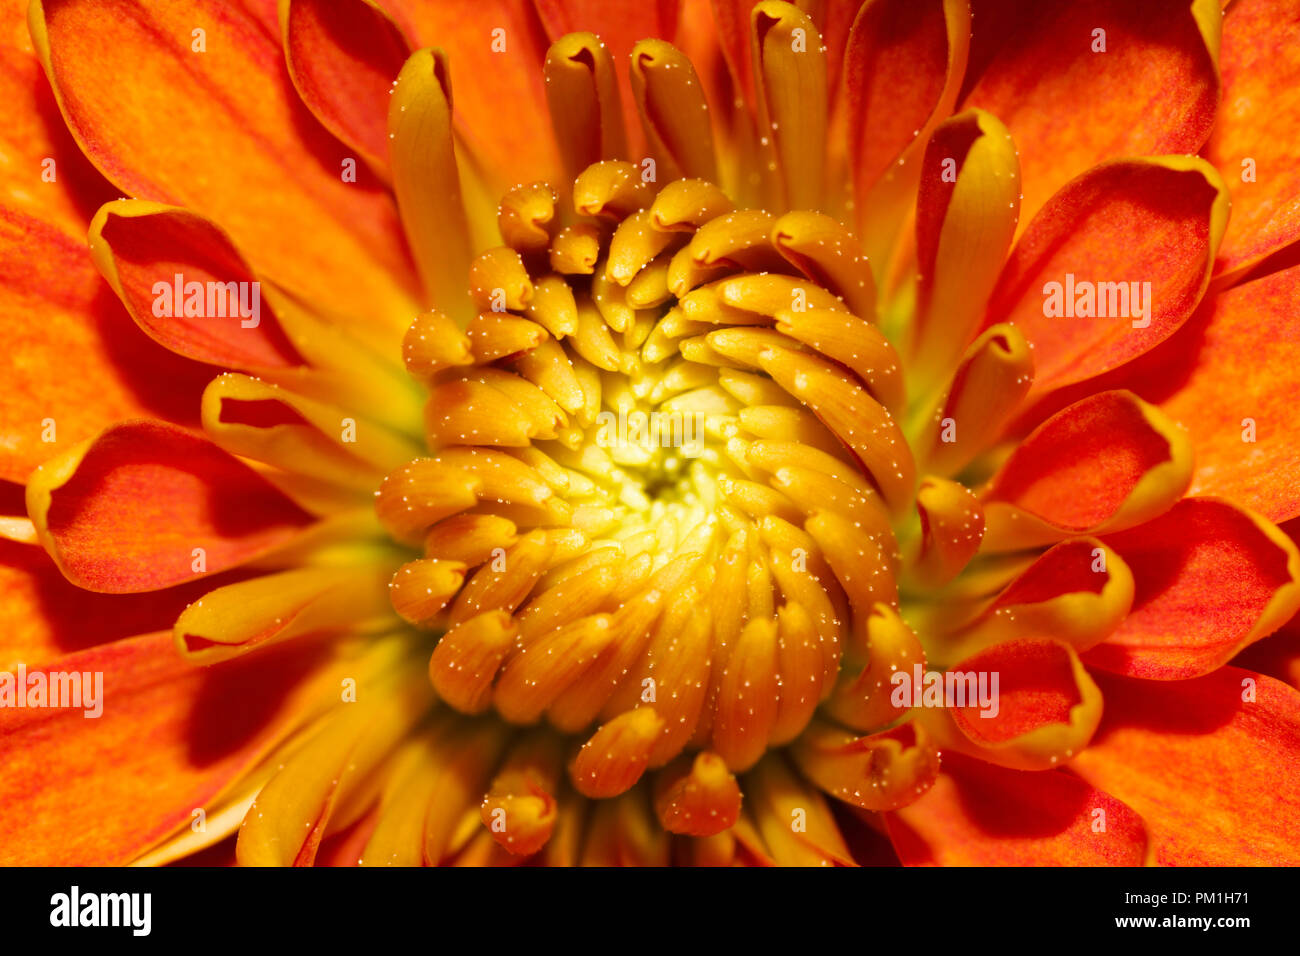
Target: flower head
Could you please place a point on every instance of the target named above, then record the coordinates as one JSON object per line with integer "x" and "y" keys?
{"x": 841, "y": 433}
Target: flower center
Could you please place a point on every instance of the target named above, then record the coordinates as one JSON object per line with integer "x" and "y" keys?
{"x": 666, "y": 472}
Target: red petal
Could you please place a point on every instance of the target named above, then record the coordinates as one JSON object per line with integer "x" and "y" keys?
{"x": 347, "y": 846}
{"x": 1037, "y": 687}
{"x": 1209, "y": 580}
{"x": 343, "y": 56}
{"x": 1154, "y": 90}
{"x": 1156, "y": 221}
{"x": 699, "y": 38}
{"x": 126, "y": 512}
{"x": 1105, "y": 463}
{"x": 170, "y": 739}
{"x": 731, "y": 21}
{"x": 1211, "y": 773}
{"x": 977, "y": 814}
{"x": 895, "y": 69}
{"x": 139, "y": 244}
{"x": 223, "y": 133}
{"x": 903, "y": 67}
{"x": 1260, "y": 67}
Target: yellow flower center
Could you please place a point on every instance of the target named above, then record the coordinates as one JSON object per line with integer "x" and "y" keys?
{"x": 659, "y": 510}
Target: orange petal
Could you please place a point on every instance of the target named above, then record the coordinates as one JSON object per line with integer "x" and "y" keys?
{"x": 48, "y": 616}
{"x": 1210, "y": 580}
{"x": 434, "y": 782}
{"x": 421, "y": 589}
{"x": 1070, "y": 106}
{"x": 1277, "y": 655}
{"x": 615, "y": 756}
{"x": 966, "y": 214}
{"x": 977, "y": 814}
{"x": 673, "y": 110}
{"x": 343, "y": 58}
{"x": 746, "y": 708}
{"x": 991, "y": 380}
{"x": 655, "y": 18}
{"x": 793, "y": 817}
{"x": 1078, "y": 591}
{"x": 582, "y": 92}
{"x": 251, "y": 138}
{"x": 1207, "y": 762}
{"x": 1239, "y": 400}
{"x": 276, "y": 426}
{"x": 698, "y": 37}
{"x": 253, "y": 614}
{"x": 620, "y": 27}
{"x": 952, "y": 527}
{"x": 323, "y": 785}
{"x": 467, "y": 659}
{"x": 877, "y": 772}
{"x": 624, "y": 832}
{"x": 697, "y": 796}
{"x": 75, "y": 362}
{"x": 495, "y": 50}
{"x": 1104, "y": 464}
{"x": 46, "y": 174}
{"x": 863, "y": 699}
{"x": 520, "y": 809}
{"x": 1154, "y": 221}
{"x": 1252, "y": 138}
{"x": 131, "y": 509}
{"x": 793, "y": 102}
{"x": 426, "y": 181}
{"x": 821, "y": 248}
{"x": 204, "y": 728}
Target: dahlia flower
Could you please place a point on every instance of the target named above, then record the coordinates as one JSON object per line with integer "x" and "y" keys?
{"x": 637, "y": 433}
